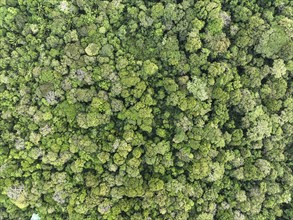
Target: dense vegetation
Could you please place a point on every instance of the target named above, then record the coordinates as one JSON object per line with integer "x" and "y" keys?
{"x": 132, "y": 109}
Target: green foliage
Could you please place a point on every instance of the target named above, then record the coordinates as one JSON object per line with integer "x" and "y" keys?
{"x": 272, "y": 42}
{"x": 146, "y": 109}
{"x": 149, "y": 68}
{"x": 198, "y": 88}
{"x": 193, "y": 42}
{"x": 156, "y": 184}
{"x": 92, "y": 49}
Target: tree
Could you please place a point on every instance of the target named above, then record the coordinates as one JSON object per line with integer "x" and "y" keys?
{"x": 272, "y": 42}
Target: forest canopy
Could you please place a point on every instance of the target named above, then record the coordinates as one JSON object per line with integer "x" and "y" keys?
{"x": 146, "y": 110}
